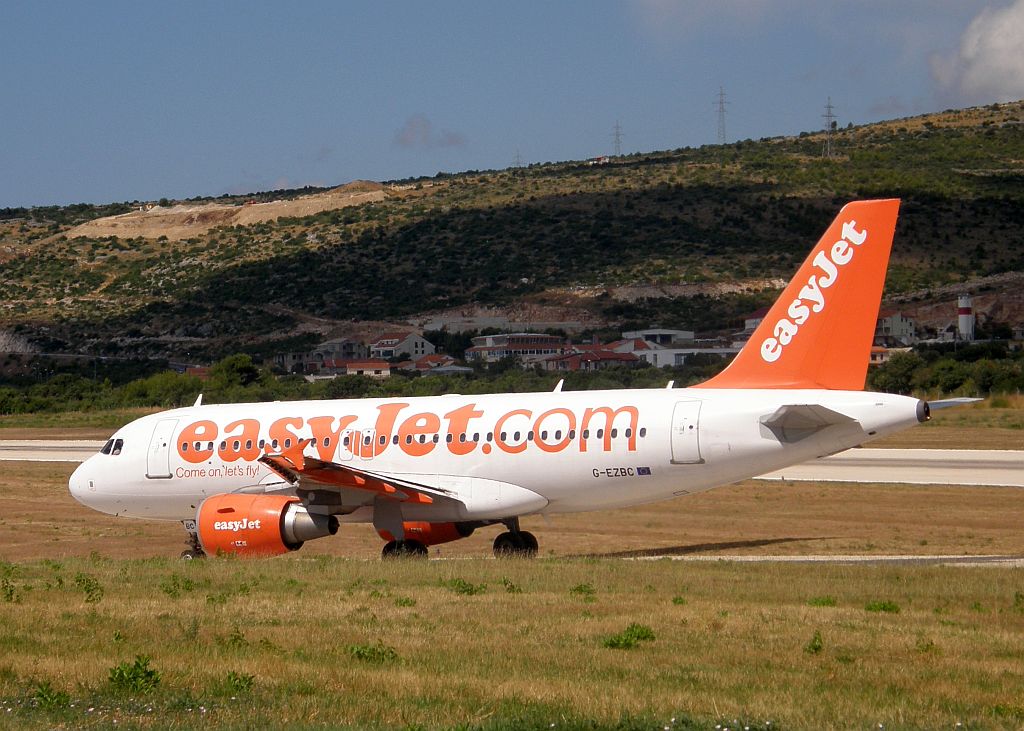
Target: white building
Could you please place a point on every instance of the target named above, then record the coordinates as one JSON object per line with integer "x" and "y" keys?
{"x": 395, "y": 344}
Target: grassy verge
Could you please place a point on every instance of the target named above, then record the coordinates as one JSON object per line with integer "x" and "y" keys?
{"x": 324, "y": 641}
{"x": 59, "y": 422}
{"x": 995, "y": 423}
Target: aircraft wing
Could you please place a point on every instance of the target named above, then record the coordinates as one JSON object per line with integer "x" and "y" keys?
{"x": 309, "y": 473}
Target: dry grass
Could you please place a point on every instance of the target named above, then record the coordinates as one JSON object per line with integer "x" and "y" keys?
{"x": 995, "y": 423}
{"x": 40, "y": 520}
{"x": 730, "y": 642}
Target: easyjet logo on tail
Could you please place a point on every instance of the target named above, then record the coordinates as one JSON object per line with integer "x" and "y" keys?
{"x": 812, "y": 297}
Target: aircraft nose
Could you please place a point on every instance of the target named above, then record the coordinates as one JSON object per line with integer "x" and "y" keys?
{"x": 81, "y": 484}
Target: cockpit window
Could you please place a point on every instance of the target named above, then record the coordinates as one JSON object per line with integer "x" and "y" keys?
{"x": 116, "y": 449}
{"x": 107, "y": 447}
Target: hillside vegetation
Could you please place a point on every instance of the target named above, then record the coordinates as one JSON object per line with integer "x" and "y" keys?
{"x": 566, "y": 236}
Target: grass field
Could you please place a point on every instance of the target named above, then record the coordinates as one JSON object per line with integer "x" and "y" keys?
{"x": 563, "y": 643}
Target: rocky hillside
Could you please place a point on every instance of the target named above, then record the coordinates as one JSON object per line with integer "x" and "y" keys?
{"x": 691, "y": 238}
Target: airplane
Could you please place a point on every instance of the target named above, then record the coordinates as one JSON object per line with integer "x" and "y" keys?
{"x": 260, "y": 479}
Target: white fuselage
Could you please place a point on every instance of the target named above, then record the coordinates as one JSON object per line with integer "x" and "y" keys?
{"x": 499, "y": 455}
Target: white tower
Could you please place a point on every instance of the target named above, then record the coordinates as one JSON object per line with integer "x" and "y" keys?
{"x": 965, "y": 319}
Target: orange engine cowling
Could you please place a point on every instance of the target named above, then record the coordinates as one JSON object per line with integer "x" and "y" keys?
{"x": 258, "y": 525}
{"x": 430, "y": 534}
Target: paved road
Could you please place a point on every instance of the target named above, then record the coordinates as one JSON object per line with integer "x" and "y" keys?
{"x": 907, "y": 466}
{"x": 47, "y": 451}
{"x": 1001, "y": 468}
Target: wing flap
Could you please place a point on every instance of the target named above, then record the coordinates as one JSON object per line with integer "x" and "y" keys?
{"x": 311, "y": 473}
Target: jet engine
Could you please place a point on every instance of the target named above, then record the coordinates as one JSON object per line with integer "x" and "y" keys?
{"x": 430, "y": 534}
{"x": 258, "y": 525}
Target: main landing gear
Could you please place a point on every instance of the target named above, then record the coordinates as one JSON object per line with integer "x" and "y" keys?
{"x": 404, "y": 549}
{"x": 515, "y": 543}
{"x": 195, "y": 548}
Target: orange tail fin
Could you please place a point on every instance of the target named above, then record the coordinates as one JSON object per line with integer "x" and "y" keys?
{"x": 819, "y": 332}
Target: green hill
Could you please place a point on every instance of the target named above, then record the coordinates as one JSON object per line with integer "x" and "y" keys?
{"x": 560, "y": 235}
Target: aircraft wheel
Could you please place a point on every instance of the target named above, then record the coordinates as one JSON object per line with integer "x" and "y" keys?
{"x": 190, "y": 555}
{"x": 404, "y": 549}
{"x": 515, "y": 545}
{"x": 530, "y": 544}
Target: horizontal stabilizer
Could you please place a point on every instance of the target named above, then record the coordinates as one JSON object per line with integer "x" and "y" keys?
{"x": 951, "y": 402}
{"x": 793, "y": 423}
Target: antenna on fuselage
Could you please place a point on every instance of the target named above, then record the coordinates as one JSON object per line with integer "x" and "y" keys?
{"x": 558, "y": 386}
{"x": 671, "y": 385}
{"x": 199, "y": 400}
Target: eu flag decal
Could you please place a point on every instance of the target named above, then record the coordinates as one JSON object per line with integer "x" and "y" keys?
{"x": 643, "y": 471}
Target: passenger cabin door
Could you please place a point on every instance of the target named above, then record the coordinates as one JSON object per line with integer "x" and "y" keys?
{"x": 158, "y": 462}
{"x": 686, "y": 433}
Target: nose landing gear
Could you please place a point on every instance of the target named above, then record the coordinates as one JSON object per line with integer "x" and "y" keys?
{"x": 195, "y": 548}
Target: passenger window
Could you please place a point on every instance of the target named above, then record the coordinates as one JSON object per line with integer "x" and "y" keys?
{"x": 529, "y": 436}
{"x": 600, "y": 433}
{"x": 558, "y": 434}
{"x": 199, "y": 446}
{"x": 287, "y": 443}
{"x": 586, "y": 433}
{"x": 408, "y": 438}
{"x": 449, "y": 438}
{"x": 110, "y": 445}
{"x": 462, "y": 438}
{"x": 515, "y": 437}
{"x": 248, "y": 443}
{"x": 490, "y": 436}
{"x": 236, "y": 445}
{"x": 544, "y": 435}
{"x": 476, "y": 437}
{"x": 263, "y": 443}
{"x": 327, "y": 441}
{"x": 615, "y": 433}
{"x": 273, "y": 445}
{"x": 223, "y": 446}
{"x": 437, "y": 438}
{"x": 643, "y": 431}
{"x": 384, "y": 439}
{"x": 345, "y": 442}
{"x": 503, "y": 436}
{"x": 629, "y": 433}
{"x": 394, "y": 439}
{"x": 423, "y": 438}
{"x": 572, "y": 433}
{"x": 184, "y": 447}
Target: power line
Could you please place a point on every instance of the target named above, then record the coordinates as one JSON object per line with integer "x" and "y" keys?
{"x": 517, "y": 162}
{"x": 617, "y": 138}
{"x": 830, "y": 121}
{"x": 722, "y": 103}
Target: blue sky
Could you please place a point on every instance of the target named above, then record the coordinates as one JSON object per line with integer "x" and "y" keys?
{"x": 113, "y": 101}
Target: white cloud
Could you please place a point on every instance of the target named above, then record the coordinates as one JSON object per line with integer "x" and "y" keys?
{"x": 989, "y": 65}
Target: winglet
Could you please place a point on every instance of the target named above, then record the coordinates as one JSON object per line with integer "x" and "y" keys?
{"x": 818, "y": 334}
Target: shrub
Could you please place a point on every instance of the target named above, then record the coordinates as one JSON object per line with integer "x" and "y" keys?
{"x": 889, "y": 607}
{"x": 630, "y": 637}
{"x": 822, "y": 601}
{"x": 49, "y": 698}
{"x": 378, "y": 653}
{"x": 135, "y": 677}
{"x": 90, "y": 587}
{"x": 461, "y": 586}
{"x": 816, "y": 645}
